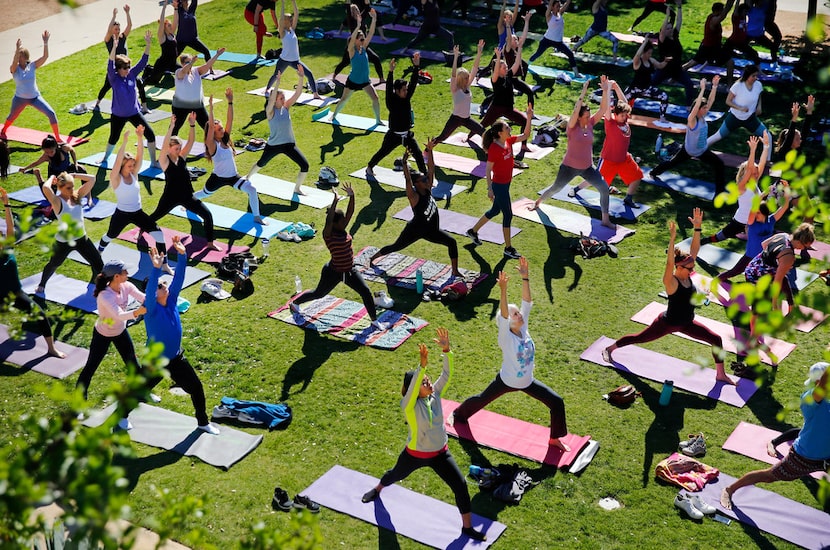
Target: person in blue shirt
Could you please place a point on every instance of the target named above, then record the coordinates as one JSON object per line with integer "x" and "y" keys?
{"x": 165, "y": 326}
{"x": 811, "y": 450}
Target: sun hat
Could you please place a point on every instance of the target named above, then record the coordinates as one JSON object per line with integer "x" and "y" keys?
{"x": 113, "y": 268}
{"x": 214, "y": 288}
{"x": 816, "y": 372}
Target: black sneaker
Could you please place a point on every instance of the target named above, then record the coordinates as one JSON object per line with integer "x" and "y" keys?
{"x": 518, "y": 164}
{"x": 369, "y": 496}
{"x": 473, "y": 237}
{"x": 511, "y": 253}
{"x": 281, "y": 500}
{"x": 473, "y": 534}
{"x": 629, "y": 202}
{"x": 305, "y": 503}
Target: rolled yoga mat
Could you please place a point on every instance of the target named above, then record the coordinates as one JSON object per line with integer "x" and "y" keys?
{"x": 567, "y": 220}
{"x": 29, "y": 353}
{"x": 458, "y": 223}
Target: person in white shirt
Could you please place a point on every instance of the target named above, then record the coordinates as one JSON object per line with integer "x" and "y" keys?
{"x": 744, "y": 102}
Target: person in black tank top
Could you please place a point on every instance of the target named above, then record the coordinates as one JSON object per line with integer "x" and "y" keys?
{"x": 425, "y": 222}
{"x": 178, "y": 189}
{"x": 118, "y": 40}
{"x": 680, "y": 313}
{"x": 166, "y": 62}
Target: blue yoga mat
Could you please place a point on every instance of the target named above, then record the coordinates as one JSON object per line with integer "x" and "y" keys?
{"x": 350, "y": 121}
{"x": 550, "y": 72}
{"x": 242, "y": 222}
{"x": 146, "y": 171}
{"x": 682, "y": 184}
{"x": 99, "y": 210}
{"x": 244, "y": 58}
{"x": 589, "y": 198}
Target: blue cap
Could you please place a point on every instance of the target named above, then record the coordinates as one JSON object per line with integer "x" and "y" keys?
{"x": 113, "y": 268}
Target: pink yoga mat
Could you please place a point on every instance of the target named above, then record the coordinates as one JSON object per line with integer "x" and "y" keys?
{"x": 459, "y": 139}
{"x": 780, "y": 348}
{"x": 751, "y": 440}
{"x": 195, "y": 245}
{"x": 30, "y": 353}
{"x": 35, "y": 137}
{"x": 458, "y": 223}
{"x": 658, "y": 367}
{"x": 515, "y": 437}
{"x": 463, "y": 164}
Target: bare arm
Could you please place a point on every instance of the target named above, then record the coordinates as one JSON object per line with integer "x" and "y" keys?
{"x": 8, "y": 213}
{"x": 272, "y": 99}
{"x": 45, "y": 55}
{"x": 762, "y": 164}
{"x": 500, "y": 22}
{"x": 516, "y": 69}
{"x": 453, "y": 86}
{"x": 578, "y": 105}
{"x": 185, "y": 69}
{"x": 164, "y": 160}
{"x": 347, "y": 187}
{"x": 525, "y": 29}
{"x": 208, "y": 65}
{"x": 115, "y": 173}
{"x": 374, "y": 16}
{"x": 191, "y": 135}
{"x": 411, "y": 194}
{"x": 495, "y": 75}
{"x": 16, "y": 58}
{"x": 160, "y": 34}
{"x": 229, "y": 117}
{"x": 129, "y": 26}
{"x": 280, "y": 28}
{"x": 111, "y": 27}
{"x": 428, "y": 147}
{"x": 669, "y": 282}
{"x": 636, "y": 62}
{"x": 296, "y": 15}
{"x": 46, "y": 189}
{"x": 330, "y": 214}
{"x": 697, "y": 222}
{"x": 714, "y": 91}
{"x": 210, "y": 143}
{"x": 87, "y": 185}
{"x": 477, "y": 60}
{"x": 524, "y": 272}
{"x": 691, "y": 122}
{"x": 43, "y": 158}
{"x": 529, "y": 115}
{"x": 606, "y": 100}
{"x": 502, "y": 282}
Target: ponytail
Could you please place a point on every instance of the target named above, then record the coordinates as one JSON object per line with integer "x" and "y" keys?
{"x": 101, "y": 284}
{"x": 491, "y": 134}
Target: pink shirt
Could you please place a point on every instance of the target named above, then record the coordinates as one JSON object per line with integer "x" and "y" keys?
{"x": 579, "y": 154}
{"x": 112, "y": 317}
{"x": 617, "y": 139}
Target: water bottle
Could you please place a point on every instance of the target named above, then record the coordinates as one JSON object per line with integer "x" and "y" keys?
{"x": 665, "y": 393}
{"x": 419, "y": 281}
{"x": 479, "y": 471}
{"x": 266, "y": 246}
{"x": 659, "y": 144}
{"x": 298, "y": 284}
{"x": 246, "y": 267}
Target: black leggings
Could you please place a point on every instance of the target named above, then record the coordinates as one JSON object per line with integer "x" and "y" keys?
{"x": 183, "y": 375}
{"x": 414, "y": 231}
{"x": 24, "y": 303}
{"x": 536, "y": 390}
{"x": 288, "y": 149}
{"x": 98, "y": 349}
{"x": 660, "y": 327}
{"x": 393, "y": 139}
{"x": 373, "y": 59}
{"x": 196, "y": 44}
{"x": 60, "y": 251}
{"x": 707, "y": 156}
{"x": 170, "y": 200}
{"x": 117, "y": 124}
{"x": 121, "y": 219}
{"x": 444, "y": 465}
{"x": 107, "y": 87}
{"x": 329, "y": 279}
{"x": 181, "y": 114}
{"x": 732, "y": 229}
{"x": 652, "y": 7}
{"x": 454, "y": 122}
{"x": 496, "y": 112}
{"x": 544, "y": 44}
{"x": 424, "y": 32}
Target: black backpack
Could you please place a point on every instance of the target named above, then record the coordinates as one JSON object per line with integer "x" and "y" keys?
{"x": 589, "y": 247}
{"x": 514, "y": 487}
{"x": 233, "y": 263}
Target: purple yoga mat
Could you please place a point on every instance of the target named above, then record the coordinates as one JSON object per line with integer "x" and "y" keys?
{"x": 458, "y": 223}
{"x": 463, "y": 164}
{"x": 30, "y": 353}
{"x": 751, "y": 440}
{"x": 419, "y": 517}
{"x": 567, "y": 220}
{"x": 658, "y": 367}
{"x": 772, "y": 513}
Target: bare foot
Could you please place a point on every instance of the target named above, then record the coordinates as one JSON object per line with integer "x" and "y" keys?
{"x": 771, "y": 450}
{"x": 725, "y": 379}
{"x": 609, "y": 225}
{"x": 260, "y": 220}
{"x": 318, "y": 96}
{"x": 534, "y": 207}
{"x": 54, "y": 352}
{"x": 726, "y": 499}
{"x": 167, "y": 269}
{"x": 298, "y": 191}
{"x": 555, "y": 442}
{"x": 213, "y": 246}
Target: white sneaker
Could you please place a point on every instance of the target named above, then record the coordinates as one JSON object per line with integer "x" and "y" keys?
{"x": 382, "y": 300}
{"x": 155, "y": 398}
{"x": 380, "y": 326}
{"x": 683, "y": 502}
{"x": 124, "y": 424}
{"x": 702, "y": 505}
{"x": 210, "y": 428}
{"x": 285, "y": 236}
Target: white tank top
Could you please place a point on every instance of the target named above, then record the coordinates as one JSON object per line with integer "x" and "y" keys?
{"x": 556, "y": 28}
{"x": 224, "y": 165}
{"x": 745, "y": 203}
{"x": 461, "y": 101}
{"x": 75, "y": 212}
{"x": 128, "y": 195}
{"x": 290, "y": 46}
{"x": 188, "y": 93}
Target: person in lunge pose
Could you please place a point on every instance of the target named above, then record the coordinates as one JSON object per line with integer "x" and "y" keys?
{"x": 462, "y": 99}
{"x": 357, "y": 20}
{"x": 187, "y": 34}
{"x": 810, "y": 451}
{"x": 505, "y": 79}
{"x": 359, "y": 76}
{"x": 744, "y": 102}
{"x": 178, "y": 187}
{"x": 642, "y": 84}
{"x": 425, "y": 222}
{"x": 671, "y": 50}
{"x": 518, "y": 363}
{"x": 25, "y": 86}
{"x": 219, "y": 150}
{"x": 498, "y": 143}
{"x": 67, "y": 202}
{"x": 599, "y": 27}
{"x": 290, "y": 56}
{"x": 281, "y": 139}
{"x": 431, "y": 25}
{"x": 427, "y": 443}
{"x": 341, "y": 266}
{"x": 399, "y": 102}
{"x": 166, "y": 62}
{"x": 116, "y": 41}
{"x": 188, "y": 94}
{"x": 660, "y": 6}
{"x": 60, "y": 157}
{"x": 253, "y": 15}
{"x": 555, "y": 35}
{"x": 680, "y": 314}
{"x": 165, "y": 326}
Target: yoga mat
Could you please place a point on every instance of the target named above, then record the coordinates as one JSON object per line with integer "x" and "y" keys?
{"x": 658, "y": 367}
{"x": 589, "y": 198}
{"x": 536, "y": 153}
{"x": 408, "y": 29}
{"x": 194, "y": 245}
{"x": 138, "y": 264}
{"x": 458, "y": 223}
{"x": 20, "y": 236}
{"x": 387, "y": 176}
{"x": 241, "y": 222}
{"x": 427, "y": 54}
{"x": 682, "y": 184}
{"x": 97, "y": 160}
{"x": 106, "y": 107}
{"x": 633, "y": 38}
{"x": 350, "y": 121}
{"x": 821, "y": 252}
{"x": 751, "y": 440}
{"x": 725, "y": 259}
{"x": 656, "y": 124}
{"x": 244, "y": 58}
{"x": 396, "y": 269}
{"x": 487, "y": 84}
{"x": 464, "y": 165}
{"x": 462, "y": 22}
{"x": 99, "y": 210}
{"x": 567, "y": 220}
{"x": 375, "y": 38}
{"x": 197, "y": 150}
{"x": 679, "y": 111}
{"x": 166, "y": 94}
{"x": 350, "y": 321}
{"x": 783, "y": 77}
{"x": 780, "y": 348}
{"x": 35, "y": 137}
{"x": 64, "y": 290}
{"x": 281, "y": 189}
{"x": 597, "y": 58}
{"x": 215, "y": 74}
{"x": 550, "y": 72}
{"x": 378, "y": 84}
{"x": 730, "y": 160}
{"x": 798, "y": 523}
{"x": 179, "y": 433}
{"x": 416, "y": 516}
{"x": 304, "y": 99}
{"x": 513, "y": 436}
{"x": 30, "y": 353}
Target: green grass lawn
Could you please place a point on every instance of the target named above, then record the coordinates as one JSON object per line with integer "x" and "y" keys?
{"x": 345, "y": 397}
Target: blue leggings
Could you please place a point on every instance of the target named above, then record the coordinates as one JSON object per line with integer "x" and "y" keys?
{"x": 20, "y": 103}
{"x": 731, "y": 123}
{"x": 559, "y": 46}
{"x": 590, "y": 174}
{"x": 501, "y": 203}
{"x": 282, "y": 64}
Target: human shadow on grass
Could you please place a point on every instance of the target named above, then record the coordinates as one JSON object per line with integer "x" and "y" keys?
{"x": 559, "y": 259}
{"x": 338, "y": 142}
{"x": 374, "y": 213}
{"x": 317, "y": 349}
{"x": 134, "y": 467}
{"x": 96, "y": 120}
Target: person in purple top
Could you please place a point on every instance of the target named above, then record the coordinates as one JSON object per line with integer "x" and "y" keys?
{"x": 187, "y": 34}
{"x": 117, "y": 40}
{"x": 122, "y": 77}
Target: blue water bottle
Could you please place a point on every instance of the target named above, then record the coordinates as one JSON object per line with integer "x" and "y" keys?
{"x": 479, "y": 471}
{"x": 665, "y": 393}
{"x": 419, "y": 281}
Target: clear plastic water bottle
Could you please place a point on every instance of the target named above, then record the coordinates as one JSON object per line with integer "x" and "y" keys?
{"x": 665, "y": 393}
{"x": 246, "y": 267}
{"x": 298, "y": 284}
{"x": 419, "y": 281}
{"x": 658, "y": 144}
{"x": 266, "y": 246}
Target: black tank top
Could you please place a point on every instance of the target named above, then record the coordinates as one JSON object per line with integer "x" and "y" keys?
{"x": 120, "y": 48}
{"x": 425, "y": 212}
{"x": 503, "y": 91}
{"x": 177, "y": 179}
{"x": 61, "y": 162}
{"x": 642, "y": 76}
{"x": 681, "y": 311}
{"x": 169, "y": 51}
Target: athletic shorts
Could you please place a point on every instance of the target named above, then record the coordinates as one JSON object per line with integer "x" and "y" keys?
{"x": 628, "y": 170}
{"x": 794, "y": 466}
{"x": 352, "y": 85}
{"x": 709, "y": 54}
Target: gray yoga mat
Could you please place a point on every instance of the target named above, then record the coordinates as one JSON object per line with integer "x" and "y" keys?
{"x": 386, "y": 176}
{"x": 64, "y": 290}
{"x": 30, "y": 353}
{"x": 458, "y": 223}
{"x": 106, "y": 107}
{"x": 682, "y": 184}
{"x": 589, "y": 198}
{"x": 281, "y": 189}
{"x": 566, "y": 220}
{"x": 179, "y": 433}
{"x": 99, "y": 210}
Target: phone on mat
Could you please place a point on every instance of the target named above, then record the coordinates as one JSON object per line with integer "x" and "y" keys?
{"x": 723, "y": 519}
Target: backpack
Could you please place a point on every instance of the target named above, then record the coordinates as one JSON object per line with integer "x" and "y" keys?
{"x": 546, "y": 136}
{"x": 315, "y": 34}
{"x": 424, "y": 77}
{"x": 273, "y": 54}
{"x": 304, "y": 230}
{"x": 324, "y": 86}
{"x": 514, "y": 488}
{"x": 327, "y": 178}
{"x": 589, "y": 247}
{"x": 622, "y": 395}
{"x": 233, "y": 264}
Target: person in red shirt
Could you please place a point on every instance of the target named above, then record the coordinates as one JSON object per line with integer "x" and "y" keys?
{"x": 499, "y": 172}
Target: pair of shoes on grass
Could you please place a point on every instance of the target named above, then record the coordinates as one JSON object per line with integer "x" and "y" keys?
{"x": 301, "y": 502}
{"x": 694, "y": 446}
{"x": 694, "y": 506}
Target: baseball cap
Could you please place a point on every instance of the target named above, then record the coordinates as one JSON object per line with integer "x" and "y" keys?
{"x": 815, "y": 373}
{"x": 113, "y": 268}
